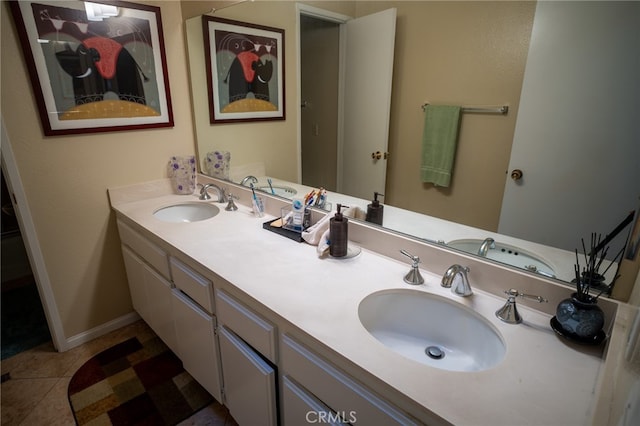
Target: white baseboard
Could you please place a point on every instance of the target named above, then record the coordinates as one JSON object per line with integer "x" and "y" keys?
{"x": 100, "y": 330}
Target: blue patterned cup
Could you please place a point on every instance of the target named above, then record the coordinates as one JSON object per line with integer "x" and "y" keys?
{"x": 182, "y": 172}
{"x": 217, "y": 164}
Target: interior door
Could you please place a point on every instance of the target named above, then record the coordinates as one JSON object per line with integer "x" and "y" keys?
{"x": 583, "y": 112}
{"x": 320, "y": 64}
{"x": 367, "y": 102}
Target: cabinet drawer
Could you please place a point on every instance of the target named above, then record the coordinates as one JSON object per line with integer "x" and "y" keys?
{"x": 192, "y": 284}
{"x": 252, "y": 328}
{"x": 151, "y": 253}
{"x": 337, "y": 390}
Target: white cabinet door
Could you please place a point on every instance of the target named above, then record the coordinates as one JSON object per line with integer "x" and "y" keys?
{"x": 300, "y": 407}
{"x": 259, "y": 333}
{"x": 196, "y": 342}
{"x": 250, "y": 392}
{"x": 337, "y": 390}
{"x": 158, "y": 291}
{"x": 134, "y": 266}
{"x": 151, "y": 297}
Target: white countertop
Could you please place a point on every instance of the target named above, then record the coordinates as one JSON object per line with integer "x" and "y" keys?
{"x": 541, "y": 381}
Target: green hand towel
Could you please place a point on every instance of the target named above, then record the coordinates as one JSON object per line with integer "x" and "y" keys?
{"x": 439, "y": 141}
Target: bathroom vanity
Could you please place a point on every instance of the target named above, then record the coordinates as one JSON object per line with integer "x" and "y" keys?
{"x": 274, "y": 332}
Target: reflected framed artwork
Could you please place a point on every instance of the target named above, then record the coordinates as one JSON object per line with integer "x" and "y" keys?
{"x": 95, "y": 66}
{"x": 245, "y": 71}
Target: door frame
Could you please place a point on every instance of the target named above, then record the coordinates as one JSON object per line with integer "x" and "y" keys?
{"x": 325, "y": 15}
{"x": 30, "y": 238}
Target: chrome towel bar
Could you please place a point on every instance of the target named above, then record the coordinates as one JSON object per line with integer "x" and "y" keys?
{"x": 504, "y": 109}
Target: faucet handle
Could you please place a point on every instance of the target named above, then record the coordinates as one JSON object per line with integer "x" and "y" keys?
{"x": 231, "y": 206}
{"x": 413, "y": 277}
{"x": 509, "y": 312}
{"x": 512, "y": 293}
{"x": 415, "y": 259}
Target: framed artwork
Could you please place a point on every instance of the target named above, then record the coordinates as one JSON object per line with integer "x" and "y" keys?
{"x": 245, "y": 71}
{"x": 95, "y": 66}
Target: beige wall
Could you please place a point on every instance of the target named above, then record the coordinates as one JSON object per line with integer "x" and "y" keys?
{"x": 65, "y": 179}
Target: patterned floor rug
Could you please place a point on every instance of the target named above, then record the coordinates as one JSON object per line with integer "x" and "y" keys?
{"x": 135, "y": 383}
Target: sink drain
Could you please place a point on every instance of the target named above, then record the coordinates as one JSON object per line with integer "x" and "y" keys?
{"x": 434, "y": 352}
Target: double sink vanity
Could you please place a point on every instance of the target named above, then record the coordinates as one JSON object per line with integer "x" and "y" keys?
{"x": 282, "y": 336}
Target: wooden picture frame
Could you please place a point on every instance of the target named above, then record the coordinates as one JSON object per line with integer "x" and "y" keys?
{"x": 95, "y": 66}
{"x": 245, "y": 71}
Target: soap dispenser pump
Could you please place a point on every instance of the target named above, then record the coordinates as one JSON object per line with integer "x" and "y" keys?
{"x": 338, "y": 234}
{"x": 375, "y": 210}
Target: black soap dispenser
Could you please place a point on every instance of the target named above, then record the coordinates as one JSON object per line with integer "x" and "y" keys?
{"x": 375, "y": 210}
{"x": 338, "y": 234}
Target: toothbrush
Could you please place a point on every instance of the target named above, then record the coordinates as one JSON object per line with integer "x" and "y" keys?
{"x": 271, "y": 186}
{"x": 321, "y": 197}
{"x": 310, "y": 202}
{"x": 309, "y": 197}
{"x": 256, "y": 203}
{"x": 253, "y": 191}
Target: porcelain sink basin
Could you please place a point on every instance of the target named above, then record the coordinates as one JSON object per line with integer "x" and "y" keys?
{"x": 432, "y": 330}
{"x": 283, "y": 191}
{"x": 186, "y": 212}
{"x": 508, "y": 254}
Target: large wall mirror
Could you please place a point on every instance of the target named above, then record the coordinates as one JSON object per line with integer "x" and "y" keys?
{"x": 567, "y": 71}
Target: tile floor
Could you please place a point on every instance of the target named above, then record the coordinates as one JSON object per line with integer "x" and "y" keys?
{"x": 35, "y": 389}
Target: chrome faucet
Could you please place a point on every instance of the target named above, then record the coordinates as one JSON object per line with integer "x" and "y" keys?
{"x": 456, "y": 279}
{"x": 488, "y": 243}
{"x": 249, "y": 178}
{"x": 204, "y": 193}
{"x": 413, "y": 277}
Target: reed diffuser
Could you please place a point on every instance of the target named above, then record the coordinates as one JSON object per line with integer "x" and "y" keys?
{"x": 579, "y": 318}
{"x": 590, "y": 276}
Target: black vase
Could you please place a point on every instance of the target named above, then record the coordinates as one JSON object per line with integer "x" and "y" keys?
{"x": 580, "y": 320}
